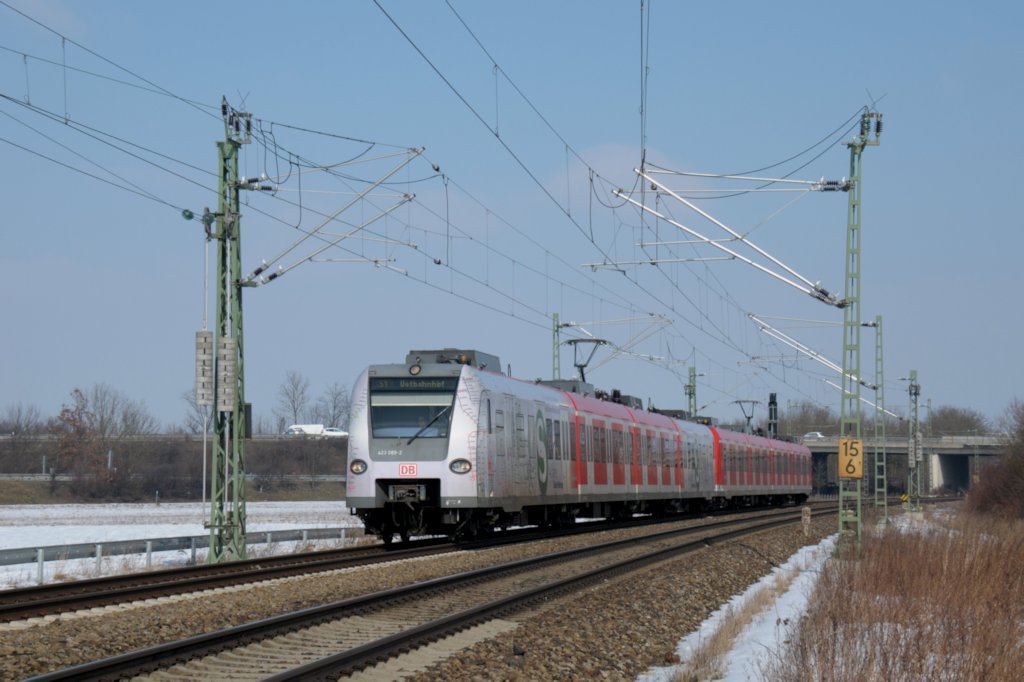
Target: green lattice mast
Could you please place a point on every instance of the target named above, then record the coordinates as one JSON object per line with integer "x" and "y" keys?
{"x": 850, "y": 413}
{"x": 881, "y": 482}
{"x": 227, "y": 494}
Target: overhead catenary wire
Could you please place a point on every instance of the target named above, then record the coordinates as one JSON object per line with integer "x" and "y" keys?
{"x": 814, "y": 289}
{"x": 164, "y": 91}
{"x": 700, "y": 325}
{"x": 66, "y": 39}
{"x": 513, "y": 154}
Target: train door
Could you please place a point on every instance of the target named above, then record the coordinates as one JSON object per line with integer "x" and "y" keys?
{"x": 636, "y": 451}
{"x": 581, "y": 452}
{"x": 684, "y": 460}
{"x": 618, "y": 455}
{"x": 666, "y": 456}
{"x": 652, "y": 459}
{"x": 521, "y": 456}
{"x": 554, "y": 450}
{"x": 501, "y": 447}
{"x": 486, "y": 463}
{"x": 600, "y": 453}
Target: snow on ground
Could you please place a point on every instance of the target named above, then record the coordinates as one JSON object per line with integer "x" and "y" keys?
{"x": 763, "y": 638}
{"x": 33, "y": 526}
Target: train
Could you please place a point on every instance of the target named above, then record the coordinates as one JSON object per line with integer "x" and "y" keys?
{"x": 446, "y": 444}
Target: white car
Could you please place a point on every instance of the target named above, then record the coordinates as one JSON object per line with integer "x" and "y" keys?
{"x": 813, "y": 435}
{"x": 334, "y": 432}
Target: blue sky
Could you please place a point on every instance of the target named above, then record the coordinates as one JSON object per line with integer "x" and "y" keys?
{"x": 101, "y": 284}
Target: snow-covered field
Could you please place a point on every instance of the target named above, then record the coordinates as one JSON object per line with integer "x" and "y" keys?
{"x": 66, "y": 524}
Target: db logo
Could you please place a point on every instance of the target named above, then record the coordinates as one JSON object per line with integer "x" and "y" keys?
{"x": 407, "y": 469}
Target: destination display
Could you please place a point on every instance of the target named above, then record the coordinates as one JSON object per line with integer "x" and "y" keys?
{"x": 418, "y": 384}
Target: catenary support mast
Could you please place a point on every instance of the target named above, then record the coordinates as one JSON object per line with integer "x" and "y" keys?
{"x": 691, "y": 392}
{"x": 881, "y": 481}
{"x": 850, "y": 477}
{"x": 914, "y": 458}
{"x": 227, "y": 496}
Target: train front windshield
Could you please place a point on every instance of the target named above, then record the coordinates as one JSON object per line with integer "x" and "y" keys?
{"x": 403, "y": 408}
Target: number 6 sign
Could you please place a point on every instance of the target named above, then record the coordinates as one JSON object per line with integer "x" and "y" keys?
{"x": 851, "y": 458}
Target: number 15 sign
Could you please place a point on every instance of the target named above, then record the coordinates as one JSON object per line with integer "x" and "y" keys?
{"x": 851, "y": 458}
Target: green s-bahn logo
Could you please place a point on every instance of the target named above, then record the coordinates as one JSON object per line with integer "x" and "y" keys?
{"x": 542, "y": 454}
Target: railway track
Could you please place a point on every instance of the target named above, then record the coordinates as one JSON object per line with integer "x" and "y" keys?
{"x": 345, "y": 636}
{"x": 56, "y": 598}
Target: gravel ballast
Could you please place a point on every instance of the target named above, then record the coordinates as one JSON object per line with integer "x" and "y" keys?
{"x": 611, "y": 631}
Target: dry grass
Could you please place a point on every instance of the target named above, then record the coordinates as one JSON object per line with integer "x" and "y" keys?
{"x": 929, "y": 603}
{"x": 708, "y": 659}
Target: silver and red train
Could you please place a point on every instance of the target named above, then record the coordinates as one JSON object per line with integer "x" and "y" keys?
{"x": 445, "y": 444}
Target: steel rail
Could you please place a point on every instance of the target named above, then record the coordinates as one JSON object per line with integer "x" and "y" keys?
{"x": 160, "y": 656}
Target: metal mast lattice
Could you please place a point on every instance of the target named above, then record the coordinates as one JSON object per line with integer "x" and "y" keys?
{"x": 914, "y": 457}
{"x": 850, "y": 413}
{"x": 227, "y": 495}
{"x": 881, "y": 482}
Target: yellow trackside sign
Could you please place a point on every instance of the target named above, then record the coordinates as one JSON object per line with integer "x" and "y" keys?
{"x": 851, "y": 458}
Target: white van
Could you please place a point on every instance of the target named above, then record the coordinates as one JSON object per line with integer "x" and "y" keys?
{"x": 305, "y": 430}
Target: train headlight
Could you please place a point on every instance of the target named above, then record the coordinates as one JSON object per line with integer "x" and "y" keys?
{"x": 357, "y": 466}
{"x": 460, "y": 466}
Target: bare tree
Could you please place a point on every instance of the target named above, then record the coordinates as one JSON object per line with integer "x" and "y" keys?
{"x": 115, "y": 415}
{"x": 1000, "y": 488}
{"x": 332, "y": 407}
{"x": 23, "y": 420}
{"x": 293, "y": 398}
{"x": 947, "y": 420}
{"x": 77, "y": 449}
{"x": 804, "y": 417}
{"x": 197, "y": 416}
{"x": 20, "y": 450}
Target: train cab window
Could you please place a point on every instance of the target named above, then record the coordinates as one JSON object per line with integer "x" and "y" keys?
{"x": 408, "y": 414}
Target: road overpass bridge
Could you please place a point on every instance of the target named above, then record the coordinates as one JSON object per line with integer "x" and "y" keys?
{"x": 950, "y": 462}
